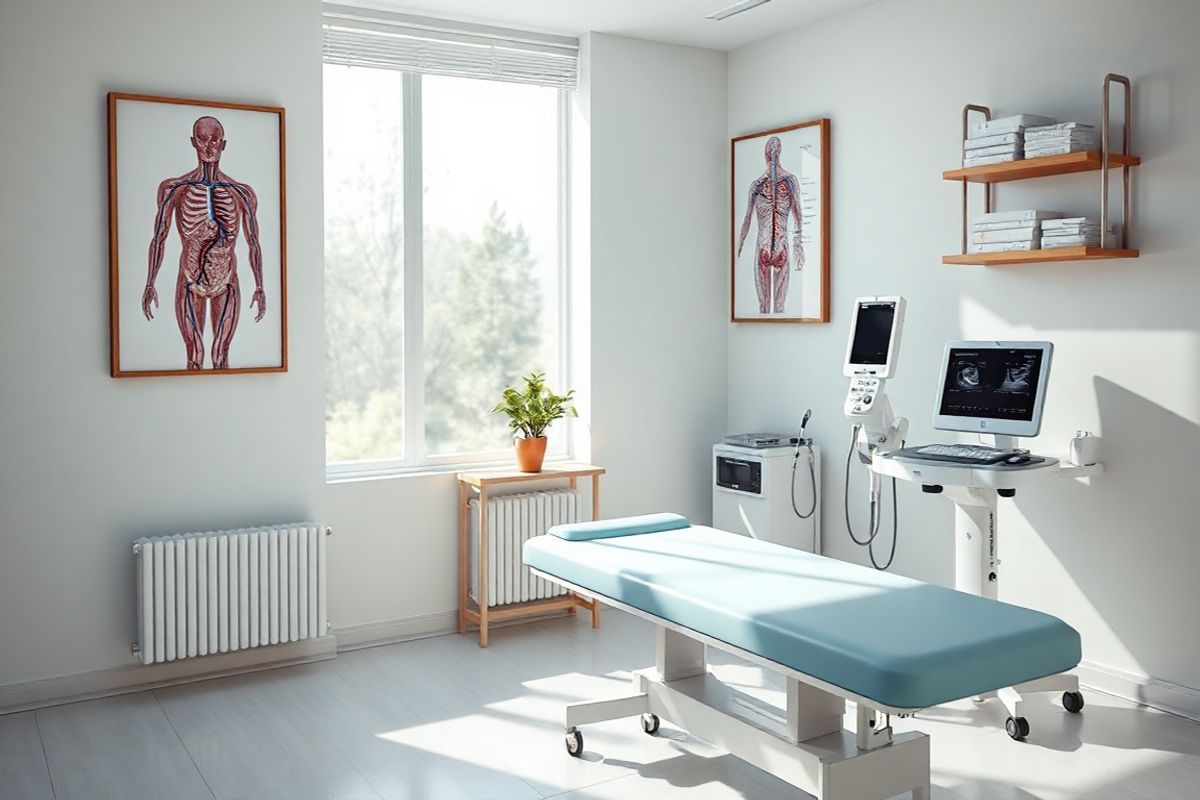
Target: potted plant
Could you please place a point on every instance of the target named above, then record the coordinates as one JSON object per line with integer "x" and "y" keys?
{"x": 530, "y": 412}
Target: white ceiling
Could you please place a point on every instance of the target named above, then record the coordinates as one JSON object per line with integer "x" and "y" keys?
{"x": 676, "y": 21}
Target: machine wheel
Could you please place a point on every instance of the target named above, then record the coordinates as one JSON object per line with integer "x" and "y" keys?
{"x": 1073, "y": 701}
{"x": 1017, "y": 727}
{"x": 650, "y": 723}
{"x": 575, "y": 744}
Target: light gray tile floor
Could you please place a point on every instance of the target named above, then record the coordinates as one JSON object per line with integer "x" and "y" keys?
{"x": 440, "y": 719}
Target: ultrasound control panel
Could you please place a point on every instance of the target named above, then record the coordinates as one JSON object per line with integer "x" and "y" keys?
{"x": 864, "y": 393}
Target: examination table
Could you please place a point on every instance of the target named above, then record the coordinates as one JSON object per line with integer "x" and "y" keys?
{"x": 835, "y": 631}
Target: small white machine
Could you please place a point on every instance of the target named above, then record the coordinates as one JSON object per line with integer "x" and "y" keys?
{"x": 872, "y": 352}
{"x": 770, "y": 493}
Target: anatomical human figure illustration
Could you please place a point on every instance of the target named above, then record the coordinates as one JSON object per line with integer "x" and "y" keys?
{"x": 209, "y": 209}
{"x": 774, "y": 200}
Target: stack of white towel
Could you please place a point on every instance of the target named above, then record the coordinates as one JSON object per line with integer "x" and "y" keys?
{"x": 999, "y": 140}
{"x": 1075, "y": 232}
{"x": 1061, "y": 138}
{"x": 1002, "y": 231}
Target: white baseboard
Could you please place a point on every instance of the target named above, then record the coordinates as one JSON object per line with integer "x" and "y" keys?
{"x": 140, "y": 677}
{"x": 129, "y": 678}
{"x": 1182, "y": 701}
{"x": 419, "y": 626}
{"x": 373, "y": 634}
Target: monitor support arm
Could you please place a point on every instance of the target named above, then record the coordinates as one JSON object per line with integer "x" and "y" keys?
{"x": 879, "y": 429}
{"x": 1002, "y": 441}
{"x": 882, "y": 430}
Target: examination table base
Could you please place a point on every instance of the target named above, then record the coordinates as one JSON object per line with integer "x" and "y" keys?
{"x": 804, "y": 744}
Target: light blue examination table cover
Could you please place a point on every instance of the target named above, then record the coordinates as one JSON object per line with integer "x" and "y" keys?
{"x": 897, "y": 641}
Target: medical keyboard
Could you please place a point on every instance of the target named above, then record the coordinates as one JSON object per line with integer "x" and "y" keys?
{"x": 965, "y": 454}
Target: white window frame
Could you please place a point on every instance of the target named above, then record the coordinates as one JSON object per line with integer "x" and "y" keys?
{"x": 415, "y": 459}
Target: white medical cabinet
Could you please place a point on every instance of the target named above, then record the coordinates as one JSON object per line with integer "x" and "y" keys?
{"x": 752, "y": 494}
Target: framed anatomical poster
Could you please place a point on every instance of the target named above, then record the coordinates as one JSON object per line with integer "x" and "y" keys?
{"x": 197, "y": 216}
{"x": 779, "y": 237}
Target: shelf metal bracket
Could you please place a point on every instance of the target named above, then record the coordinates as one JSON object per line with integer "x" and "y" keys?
{"x": 1105, "y": 149}
{"x": 987, "y": 187}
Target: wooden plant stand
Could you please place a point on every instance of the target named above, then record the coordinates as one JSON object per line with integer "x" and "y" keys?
{"x": 478, "y": 482}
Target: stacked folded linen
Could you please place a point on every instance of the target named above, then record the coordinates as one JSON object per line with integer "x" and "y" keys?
{"x": 1002, "y": 231}
{"x": 1074, "y": 232}
{"x": 1064, "y": 137}
{"x": 998, "y": 140}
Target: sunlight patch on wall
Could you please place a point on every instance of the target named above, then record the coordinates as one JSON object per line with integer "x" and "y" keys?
{"x": 1039, "y": 579}
{"x": 1157, "y": 364}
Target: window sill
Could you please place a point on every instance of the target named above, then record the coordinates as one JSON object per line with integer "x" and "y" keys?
{"x": 367, "y": 472}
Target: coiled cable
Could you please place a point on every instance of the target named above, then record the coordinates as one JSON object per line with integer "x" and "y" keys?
{"x": 812, "y": 474}
{"x": 874, "y": 518}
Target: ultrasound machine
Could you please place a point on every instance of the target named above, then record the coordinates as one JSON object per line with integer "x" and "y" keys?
{"x": 995, "y": 389}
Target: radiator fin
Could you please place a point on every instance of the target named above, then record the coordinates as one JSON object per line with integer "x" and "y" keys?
{"x": 512, "y": 520}
{"x": 214, "y": 592}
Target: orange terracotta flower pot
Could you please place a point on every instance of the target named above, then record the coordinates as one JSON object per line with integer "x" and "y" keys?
{"x": 530, "y": 454}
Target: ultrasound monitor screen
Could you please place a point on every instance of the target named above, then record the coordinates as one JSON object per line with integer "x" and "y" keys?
{"x": 872, "y": 333}
{"x": 999, "y": 383}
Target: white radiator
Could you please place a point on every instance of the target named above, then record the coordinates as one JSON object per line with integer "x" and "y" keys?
{"x": 512, "y": 520}
{"x": 205, "y": 593}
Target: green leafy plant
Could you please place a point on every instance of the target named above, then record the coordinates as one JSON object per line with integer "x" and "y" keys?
{"x": 531, "y": 411}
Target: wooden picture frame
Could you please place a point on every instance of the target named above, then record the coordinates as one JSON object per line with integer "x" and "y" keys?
{"x": 764, "y": 262}
{"x": 208, "y": 225}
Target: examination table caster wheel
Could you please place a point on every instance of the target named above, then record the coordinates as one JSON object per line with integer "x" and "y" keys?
{"x": 1017, "y": 727}
{"x": 650, "y": 723}
{"x": 1073, "y": 702}
{"x": 574, "y": 744}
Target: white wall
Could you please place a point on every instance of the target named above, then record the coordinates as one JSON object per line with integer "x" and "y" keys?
{"x": 658, "y": 285}
{"x": 1115, "y": 558}
{"x": 90, "y": 463}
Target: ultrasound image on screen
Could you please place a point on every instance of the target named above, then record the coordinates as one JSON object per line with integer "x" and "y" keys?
{"x": 997, "y": 384}
{"x": 1016, "y": 378}
{"x": 872, "y": 333}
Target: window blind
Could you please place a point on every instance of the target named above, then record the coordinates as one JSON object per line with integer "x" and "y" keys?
{"x": 368, "y": 38}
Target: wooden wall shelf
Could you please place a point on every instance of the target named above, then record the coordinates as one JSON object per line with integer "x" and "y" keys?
{"x": 1043, "y": 167}
{"x": 1040, "y": 256}
{"x": 1103, "y": 161}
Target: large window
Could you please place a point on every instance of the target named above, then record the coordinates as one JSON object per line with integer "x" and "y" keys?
{"x": 444, "y": 262}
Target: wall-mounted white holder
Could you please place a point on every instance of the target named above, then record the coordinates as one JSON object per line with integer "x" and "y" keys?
{"x": 1066, "y": 470}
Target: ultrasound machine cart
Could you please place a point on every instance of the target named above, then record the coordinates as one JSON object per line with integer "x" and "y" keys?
{"x": 975, "y": 488}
